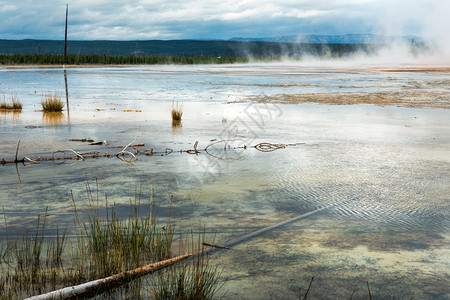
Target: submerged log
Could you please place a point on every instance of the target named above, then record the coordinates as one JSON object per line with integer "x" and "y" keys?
{"x": 256, "y": 233}
{"x": 82, "y": 140}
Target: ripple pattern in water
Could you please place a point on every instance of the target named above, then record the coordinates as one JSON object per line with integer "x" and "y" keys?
{"x": 397, "y": 190}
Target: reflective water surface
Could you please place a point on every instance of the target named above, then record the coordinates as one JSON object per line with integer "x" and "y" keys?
{"x": 385, "y": 170}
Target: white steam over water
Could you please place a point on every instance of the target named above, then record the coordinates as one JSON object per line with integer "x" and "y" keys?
{"x": 395, "y": 24}
{"x": 427, "y": 19}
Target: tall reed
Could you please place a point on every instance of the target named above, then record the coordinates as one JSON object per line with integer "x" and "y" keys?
{"x": 102, "y": 244}
{"x": 193, "y": 279}
{"x": 118, "y": 244}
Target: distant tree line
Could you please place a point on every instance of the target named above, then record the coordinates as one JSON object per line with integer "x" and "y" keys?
{"x": 72, "y": 59}
{"x": 186, "y": 52}
{"x": 95, "y": 59}
{"x": 25, "y": 52}
{"x": 166, "y": 52}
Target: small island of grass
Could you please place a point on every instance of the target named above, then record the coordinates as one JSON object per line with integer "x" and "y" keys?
{"x": 52, "y": 103}
{"x": 13, "y": 105}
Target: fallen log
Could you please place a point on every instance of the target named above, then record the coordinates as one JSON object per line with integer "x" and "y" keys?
{"x": 96, "y": 287}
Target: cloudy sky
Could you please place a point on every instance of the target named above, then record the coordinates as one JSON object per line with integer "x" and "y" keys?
{"x": 213, "y": 19}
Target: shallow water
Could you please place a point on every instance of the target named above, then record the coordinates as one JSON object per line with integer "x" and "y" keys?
{"x": 386, "y": 168}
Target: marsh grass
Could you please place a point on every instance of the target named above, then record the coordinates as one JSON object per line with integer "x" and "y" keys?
{"x": 119, "y": 244}
{"x": 14, "y": 104}
{"x": 177, "y": 112}
{"x": 102, "y": 243}
{"x": 193, "y": 279}
{"x": 51, "y": 102}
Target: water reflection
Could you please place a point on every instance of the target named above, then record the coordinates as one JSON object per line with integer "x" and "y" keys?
{"x": 15, "y": 114}
{"x": 177, "y": 127}
{"x": 53, "y": 118}
{"x": 67, "y": 94}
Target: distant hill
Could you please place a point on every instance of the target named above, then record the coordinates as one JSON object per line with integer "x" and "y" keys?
{"x": 333, "y": 39}
{"x": 184, "y": 48}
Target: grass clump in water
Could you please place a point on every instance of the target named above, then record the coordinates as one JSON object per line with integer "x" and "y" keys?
{"x": 117, "y": 244}
{"x": 15, "y": 104}
{"x": 51, "y": 103}
{"x": 102, "y": 244}
{"x": 177, "y": 112}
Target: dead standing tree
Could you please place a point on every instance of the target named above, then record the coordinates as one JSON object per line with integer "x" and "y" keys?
{"x": 65, "y": 36}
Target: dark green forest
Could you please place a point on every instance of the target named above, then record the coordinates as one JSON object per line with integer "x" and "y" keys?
{"x": 54, "y": 59}
{"x": 165, "y": 52}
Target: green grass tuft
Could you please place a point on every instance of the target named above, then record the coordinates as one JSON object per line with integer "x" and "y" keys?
{"x": 52, "y": 102}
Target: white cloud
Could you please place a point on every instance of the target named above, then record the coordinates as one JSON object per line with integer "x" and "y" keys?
{"x": 150, "y": 19}
{"x": 4, "y": 7}
{"x": 298, "y": 13}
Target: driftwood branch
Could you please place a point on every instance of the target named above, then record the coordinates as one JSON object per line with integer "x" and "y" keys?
{"x": 123, "y": 152}
{"x": 96, "y": 287}
{"x": 30, "y": 160}
{"x": 125, "y": 148}
{"x": 76, "y": 153}
{"x": 368, "y": 288}
{"x": 151, "y": 152}
{"x": 195, "y": 151}
{"x": 309, "y": 287}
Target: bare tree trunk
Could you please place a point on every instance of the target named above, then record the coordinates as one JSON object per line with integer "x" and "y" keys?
{"x": 65, "y": 37}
